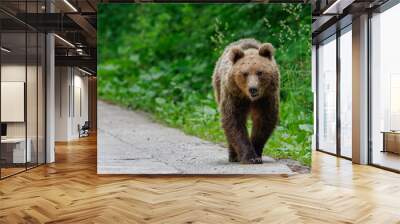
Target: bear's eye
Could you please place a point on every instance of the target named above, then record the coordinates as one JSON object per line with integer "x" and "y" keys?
{"x": 245, "y": 74}
{"x": 259, "y": 73}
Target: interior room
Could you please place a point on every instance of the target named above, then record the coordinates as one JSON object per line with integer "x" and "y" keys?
{"x": 22, "y": 100}
{"x": 46, "y": 84}
{"x": 385, "y": 89}
{"x": 338, "y": 84}
{"x": 71, "y": 102}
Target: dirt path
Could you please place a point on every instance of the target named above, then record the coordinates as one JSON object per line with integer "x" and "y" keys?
{"x": 131, "y": 143}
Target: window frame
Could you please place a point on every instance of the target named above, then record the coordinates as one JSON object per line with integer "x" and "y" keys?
{"x": 339, "y": 32}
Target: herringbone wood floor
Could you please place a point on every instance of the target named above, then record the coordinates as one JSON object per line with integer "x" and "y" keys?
{"x": 70, "y": 191}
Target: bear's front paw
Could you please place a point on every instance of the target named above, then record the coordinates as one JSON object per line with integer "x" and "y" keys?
{"x": 233, "y": 159}
{"x": 250, "y": 159}
{"x": 259, "y": 160}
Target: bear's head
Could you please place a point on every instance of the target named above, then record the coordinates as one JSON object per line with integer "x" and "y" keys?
{"x": 255, "y": 71}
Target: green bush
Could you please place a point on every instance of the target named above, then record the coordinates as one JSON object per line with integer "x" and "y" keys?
{"x": 159, "y": 58}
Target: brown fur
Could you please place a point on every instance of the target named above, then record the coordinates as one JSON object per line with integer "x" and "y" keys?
{"x": 245, "y": 66}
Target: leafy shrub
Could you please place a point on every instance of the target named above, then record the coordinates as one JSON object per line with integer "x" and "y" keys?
{"x": 159, "y": 58}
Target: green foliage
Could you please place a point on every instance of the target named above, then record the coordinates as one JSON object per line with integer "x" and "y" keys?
{"x": 159, "y": 58}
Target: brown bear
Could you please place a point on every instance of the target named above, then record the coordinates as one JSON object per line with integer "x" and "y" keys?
{"x": 246, "y": 82}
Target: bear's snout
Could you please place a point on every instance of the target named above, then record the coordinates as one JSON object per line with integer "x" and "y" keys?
{"x": 253, "y": 91}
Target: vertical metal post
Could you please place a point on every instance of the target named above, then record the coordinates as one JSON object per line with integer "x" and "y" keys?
{"x": 37, "y": 90}
{"x": 26, "y": 85}
{"x": 0, "y": 92}
{"x": 338, "y": 73}
{"x": 369, "y": 38}
{"x": 317, "y": 96}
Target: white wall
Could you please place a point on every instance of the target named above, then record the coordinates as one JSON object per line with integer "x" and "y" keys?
{"x": 17, "y": 72}
{"x": 71, "y": 87}
{"x": 80, "y": 84}
{"x": 62, "y": 81}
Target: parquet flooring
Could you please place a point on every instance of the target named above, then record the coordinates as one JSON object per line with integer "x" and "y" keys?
{"x": 70, "y": 191}
{"x": 11, "y": 170}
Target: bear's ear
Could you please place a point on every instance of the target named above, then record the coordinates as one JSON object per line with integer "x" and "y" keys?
{"x": 267, "y": 50}
{"x": 236, "y": 54}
